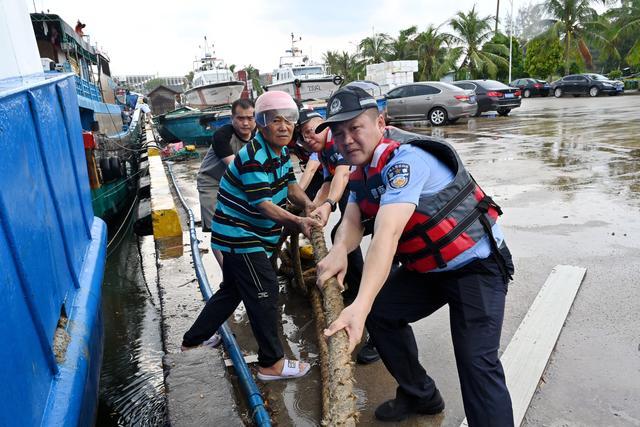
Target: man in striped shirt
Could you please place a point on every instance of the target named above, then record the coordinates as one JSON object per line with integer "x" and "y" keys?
{"x": 246, "y": 227}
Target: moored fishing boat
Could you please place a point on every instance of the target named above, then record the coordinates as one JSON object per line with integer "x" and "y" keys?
{"x": 301, "y": 78}
{"x": 111, "y": 145}
{"x": 213, "y": 83}
{"x": 52, "y": 246}
{"x": 191, "y": 125}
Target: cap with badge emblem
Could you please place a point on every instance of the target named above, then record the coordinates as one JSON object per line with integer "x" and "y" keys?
{"x": 346, "y": 104}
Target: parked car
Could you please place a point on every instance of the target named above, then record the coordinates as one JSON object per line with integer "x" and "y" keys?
{"x": 492, "y": 95}
{"x": 438, "y": 102}
{"x": 588, "y": 83}
{"x": 532, "y": 87}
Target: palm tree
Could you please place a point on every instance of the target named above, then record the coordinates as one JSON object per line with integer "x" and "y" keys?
{"x": 471, "y": 33}
{"x": 403, "y": 47}
{"x": 625, "y": 20}
{"x": 344, "y": 64}
{"x": 574, "y": 21}
{"x": 376, "y": 48}
{"x": 434, "y": 58}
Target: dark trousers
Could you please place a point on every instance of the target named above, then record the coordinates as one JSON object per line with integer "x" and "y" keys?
{"x": 354, "y": 259}
{"x": 476, "y": 295}
{"x": 249, "y": 278}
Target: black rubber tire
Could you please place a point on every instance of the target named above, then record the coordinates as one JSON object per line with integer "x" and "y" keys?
{"x": 114, "y": 165}
{"x": 504, "y": 112}
{"x": 438, "y": 116}
{"x": 337, "y": 80}
{"x": 526, "y": 93}
{"x": 105, "y": 169}
{"x": 558, "y": 92}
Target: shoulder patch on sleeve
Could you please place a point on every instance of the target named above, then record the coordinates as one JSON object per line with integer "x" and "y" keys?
{"x": 398, "y": 175}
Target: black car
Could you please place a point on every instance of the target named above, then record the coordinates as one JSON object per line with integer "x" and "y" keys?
{"x": 586, "y": 84}
{"x": 492, "y": 95}
{"x": 532, "y": 87}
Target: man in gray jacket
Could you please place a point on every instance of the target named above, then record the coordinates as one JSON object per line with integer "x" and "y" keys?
{"x": 227, "y": 141}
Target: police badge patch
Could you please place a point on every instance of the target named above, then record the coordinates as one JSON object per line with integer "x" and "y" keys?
{"x": 398, "y": 175}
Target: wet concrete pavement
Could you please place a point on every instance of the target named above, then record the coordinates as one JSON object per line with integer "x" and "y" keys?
{"x": 567, "y": 175}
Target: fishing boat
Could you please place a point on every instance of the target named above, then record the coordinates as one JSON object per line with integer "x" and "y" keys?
{"x": 213, "y": 83}
{"x": 52, "y": 246}
{"x": 191, "y": 125}
{"x": 302, "y": 78}
{"x": 111, "y": 145}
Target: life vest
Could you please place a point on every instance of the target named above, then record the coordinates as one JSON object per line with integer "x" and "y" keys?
{"x": 444, "y": 224}
{"x": 330, "y": 156}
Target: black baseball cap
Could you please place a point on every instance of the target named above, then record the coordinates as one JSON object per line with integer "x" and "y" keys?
{"x": 346, "y": 104}
{"x": 307, "y": 114}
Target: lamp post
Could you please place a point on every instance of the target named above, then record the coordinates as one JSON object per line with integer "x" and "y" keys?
{"x": 510, "y": 39}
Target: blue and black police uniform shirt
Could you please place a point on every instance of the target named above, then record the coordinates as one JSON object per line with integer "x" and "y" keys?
{"x": 412, "y": 173}
{"x": 256, "y": 175}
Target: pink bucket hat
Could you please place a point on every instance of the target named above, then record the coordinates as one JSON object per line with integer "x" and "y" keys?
{"x": 274, "y": 100}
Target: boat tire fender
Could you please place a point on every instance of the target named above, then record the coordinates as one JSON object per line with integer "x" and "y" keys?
{"x": 297, "y": 82}
{"x": 337, "y": 80}
{"x": 116, "y": 171}
{"x": 105, "y": 168}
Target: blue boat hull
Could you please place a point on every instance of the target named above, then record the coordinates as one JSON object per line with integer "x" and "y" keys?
{"x": 189, "y": 129}
{"x": 52, "y": 257}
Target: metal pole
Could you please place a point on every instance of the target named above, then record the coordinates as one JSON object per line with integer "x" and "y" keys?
{"x": 510, "y": 40}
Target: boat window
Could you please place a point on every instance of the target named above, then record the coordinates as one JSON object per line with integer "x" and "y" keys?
{"x": 307, "y": 71}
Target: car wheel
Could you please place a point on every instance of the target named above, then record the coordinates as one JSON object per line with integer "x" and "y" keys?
{"x": 438, "y": 116}
{"x": 594, "y": 91}
{"x": 504, "y": 112}
{"x": 526, "y": 93}
{"x": 452, "y": 121}
{"x": 557, "y": 92}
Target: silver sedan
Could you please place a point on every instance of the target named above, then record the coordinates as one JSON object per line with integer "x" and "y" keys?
{"x": 438, "y": 102}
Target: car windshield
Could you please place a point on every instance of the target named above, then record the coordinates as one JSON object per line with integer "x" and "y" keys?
{"x": 597, "y": 77}
{"x": 492, "y": 85}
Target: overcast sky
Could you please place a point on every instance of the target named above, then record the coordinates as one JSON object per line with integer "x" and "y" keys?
{"x": 162, "y": 36}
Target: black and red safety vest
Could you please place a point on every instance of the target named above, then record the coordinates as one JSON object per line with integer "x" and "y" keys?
{"x": 444, "y": 224}
{"x": 330, "y": 156}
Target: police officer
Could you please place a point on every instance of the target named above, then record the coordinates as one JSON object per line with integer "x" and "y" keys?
{"x": 428, "y": 212}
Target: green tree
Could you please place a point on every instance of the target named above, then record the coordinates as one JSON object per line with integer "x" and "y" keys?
{"x": 435, "y": 59}
{"x": 499, "y": 45}
{"x": 188, "y": 78}
{"x": 544, "y": 56}
{"x": 403, "y": 47}
{"x": 623, "y": 31}
{"x": 232, "y": 67}
{"x": 471, "y": 33}
{"x": 574, "y": 21}
{"x": 344, "y": 64}
{"x": 253, "y": 74}
{"x": 151, "y": 84}
{"x": 375, "y": 49}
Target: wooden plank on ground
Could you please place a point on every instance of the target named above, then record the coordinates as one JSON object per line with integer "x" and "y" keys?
{"x": 527, "y": 354}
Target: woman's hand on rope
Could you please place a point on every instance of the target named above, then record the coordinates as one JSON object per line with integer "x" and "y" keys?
{"x": 333, "y": 265}
{"x": 351, "y": 319}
